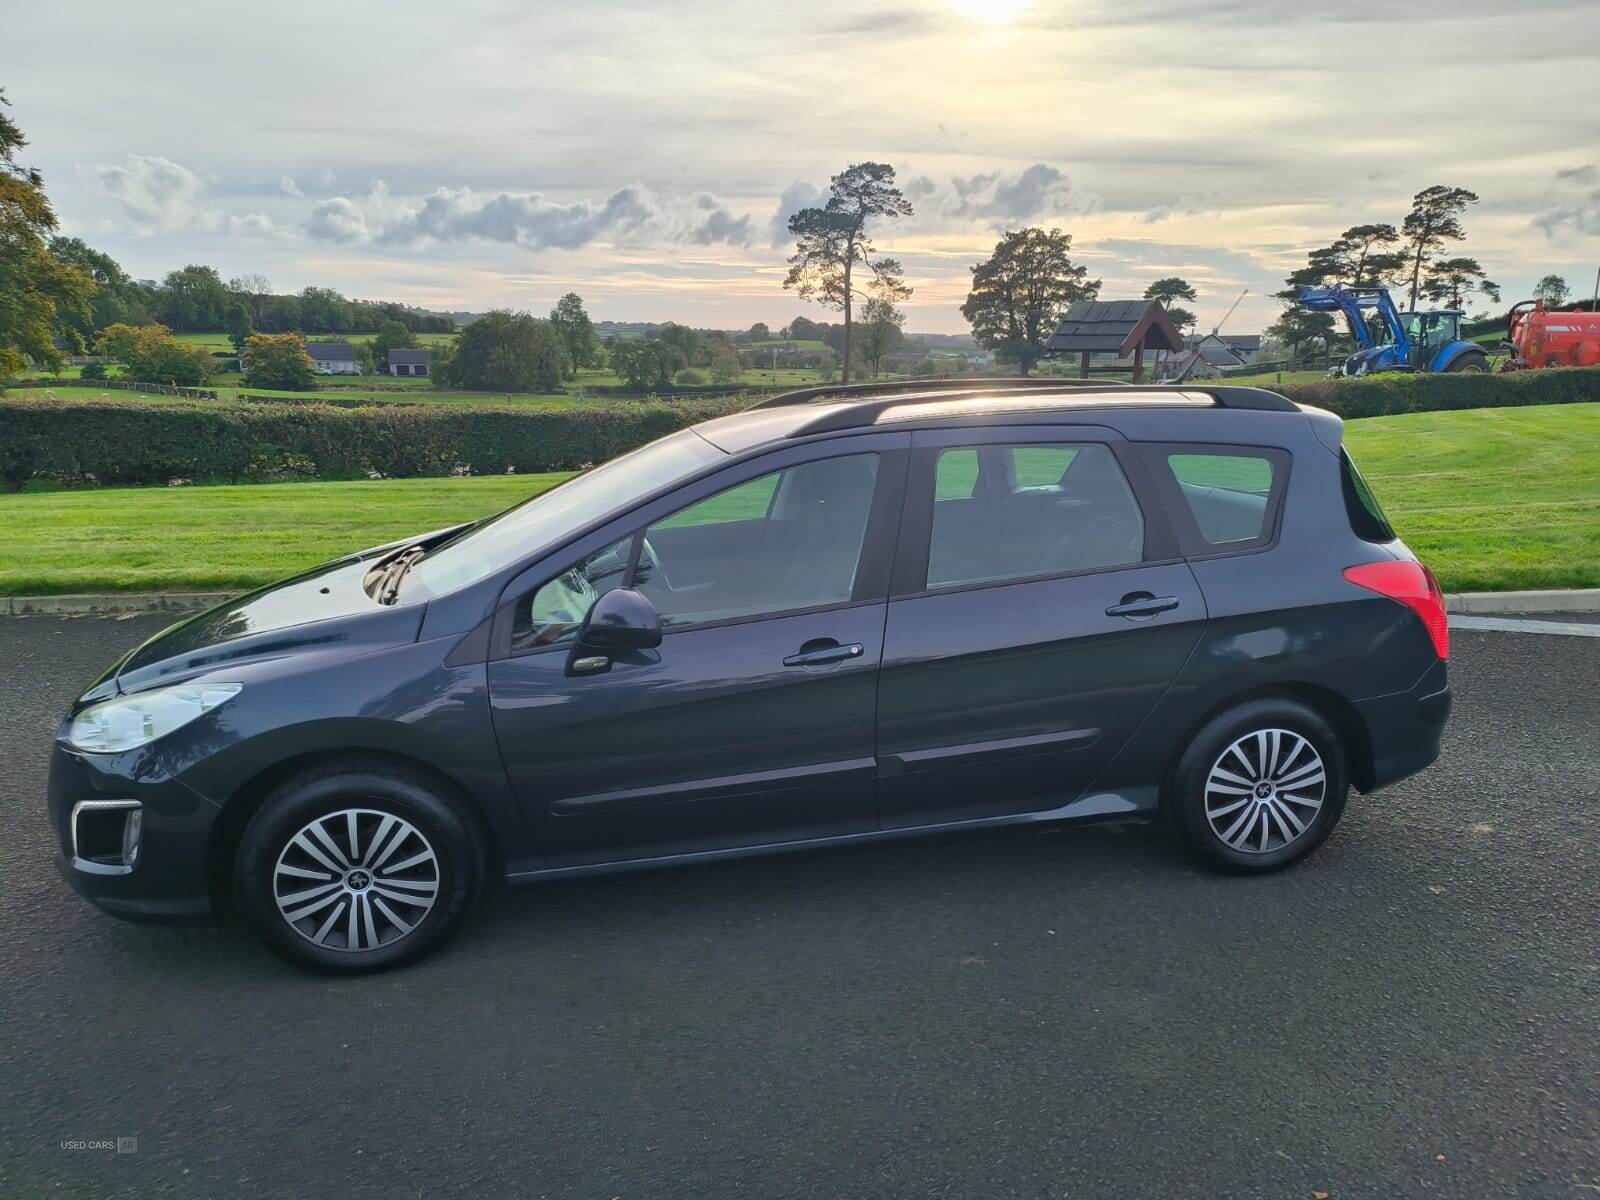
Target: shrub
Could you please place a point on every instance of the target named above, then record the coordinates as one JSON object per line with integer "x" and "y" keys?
{"x": 131, "y": 442}
{"x": 689, "y": 377}
{"x": 92, "y": 371}
{"x": 278, "y": 361}
{"x": 1404, "y": 392}
{"x": 151, "y": 354}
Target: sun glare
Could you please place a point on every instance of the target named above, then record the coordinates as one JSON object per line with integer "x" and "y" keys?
{"x": 990, "y": 12}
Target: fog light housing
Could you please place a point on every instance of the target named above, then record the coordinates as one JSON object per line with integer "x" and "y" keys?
{"x": 105, "y": 836}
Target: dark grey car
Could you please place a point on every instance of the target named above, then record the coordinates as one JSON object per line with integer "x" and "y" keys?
{"x": 844, "y": 615}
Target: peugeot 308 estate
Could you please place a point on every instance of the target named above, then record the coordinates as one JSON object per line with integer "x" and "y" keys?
{"x": 845, "y": 614}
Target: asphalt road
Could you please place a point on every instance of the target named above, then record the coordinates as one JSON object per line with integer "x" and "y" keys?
{"x": 1415, "y": 1011}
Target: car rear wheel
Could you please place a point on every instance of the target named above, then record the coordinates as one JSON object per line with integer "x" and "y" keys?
{"x": 357, "y": 866}
{"x": 1261, "y": 785}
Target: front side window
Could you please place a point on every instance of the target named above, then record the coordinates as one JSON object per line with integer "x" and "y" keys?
{"x": 1030, "y": 510}
{"x": 788, "y": 540}
{"x": 1227, "y": 494}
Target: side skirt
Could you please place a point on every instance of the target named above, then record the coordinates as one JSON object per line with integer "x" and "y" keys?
{"x": 1133, "y": 804}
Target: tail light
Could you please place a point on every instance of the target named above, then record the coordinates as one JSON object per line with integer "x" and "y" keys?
{"x": 1411, "y": 584}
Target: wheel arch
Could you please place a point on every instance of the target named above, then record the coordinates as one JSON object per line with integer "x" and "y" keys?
{"x": 247, "y": 799}
{"x": 1325, "y": 702}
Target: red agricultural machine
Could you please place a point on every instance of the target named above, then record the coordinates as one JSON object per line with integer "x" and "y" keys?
{"x": 1539, "y": 337}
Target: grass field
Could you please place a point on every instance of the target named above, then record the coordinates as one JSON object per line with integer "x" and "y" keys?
{"x": 1490, "y": 498}
{"x": 382, "y": 389}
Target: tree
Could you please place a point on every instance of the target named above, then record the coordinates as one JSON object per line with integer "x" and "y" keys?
{"x": 192, "y": 298}
{"x": 239, "y": 325}
{"x": 645, "y": 365}
{"x": 503, "y": 351}
{"x": 759, "y": 332}
{"x": 831, "y": 241}
{"x": 392, "y": 335}
{"x": 725, "y": 365}
{"x": 1182, "y": 318}
{"x": 1553, "y": 290}
{"x": 881, "y": 325}
{"x": 40, "y": 295}
{"x": 278, "y": 361}
{"x": 1021, "y": 291}
{"x": 1450, "y": 280}
{"x": 116, "y": 298}
{"x": 1169, "y": 290}
{"x": 1434, "y": 220}
{"x": 576, "y": 330}
{"x": 681, "y": 341}
{"x": 150, "y": 354}
{"x": 323, "y": 310}
{"x": 1297, "y": 326}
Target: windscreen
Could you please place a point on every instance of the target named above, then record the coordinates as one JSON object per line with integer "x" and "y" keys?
{"x": 549, "y": 517}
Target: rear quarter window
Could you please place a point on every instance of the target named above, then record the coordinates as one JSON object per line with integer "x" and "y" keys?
{"x": 1367, "y": 519}
{"x": 1226, "y": 498}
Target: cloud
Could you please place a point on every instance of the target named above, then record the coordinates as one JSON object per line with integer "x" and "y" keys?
{"x": 338, "y": 220}
{"x": 795, "y": 197}
{"x": 1004, "y": 199}
{"x": 1183, "y": 206}
{"x": 289, "y": 187}
{"x": 156, "y": 193}
{"x": 1580, "y": 212}
{"x": 454, "y": 215}
{"x": 251, "y": 224}
{"x": 719, "y": 224}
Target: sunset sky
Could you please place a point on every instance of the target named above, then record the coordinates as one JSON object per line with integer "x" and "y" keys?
{"x": 646, "y": 155}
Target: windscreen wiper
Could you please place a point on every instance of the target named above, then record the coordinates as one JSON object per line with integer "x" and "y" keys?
{"x": 389, "y": 582}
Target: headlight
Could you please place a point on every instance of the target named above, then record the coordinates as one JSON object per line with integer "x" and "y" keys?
{"x": 131, "y": 721}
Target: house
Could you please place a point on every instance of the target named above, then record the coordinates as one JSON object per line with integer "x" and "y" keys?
{"x": 1119, "y": 327}
{"x": 1214, "y": 354}
{"x": 333, "y": 358}
{"x": 980, "y": 358}
{"x": 1246, "y": 347}
{"x": 410, "y": 362}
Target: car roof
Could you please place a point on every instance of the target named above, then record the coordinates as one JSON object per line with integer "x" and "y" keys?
{"x": 836, "y": 408}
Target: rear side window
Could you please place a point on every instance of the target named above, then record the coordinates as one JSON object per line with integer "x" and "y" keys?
{"x": 1017, "y": 512}
{"x": 1229, "y": 494}
{"x": 1367, "y": 520}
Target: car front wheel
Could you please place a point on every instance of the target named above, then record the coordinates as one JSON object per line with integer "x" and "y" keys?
{"x": 1261, "y": 785}
{"x": 357, "y": 866}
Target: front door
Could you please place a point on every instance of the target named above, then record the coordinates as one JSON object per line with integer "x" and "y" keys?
{"x": 1040, "y": 611}
{"x": 752, "y": 722}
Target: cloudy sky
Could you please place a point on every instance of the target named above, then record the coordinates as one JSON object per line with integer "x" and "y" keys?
{"x": 646, "y": 154}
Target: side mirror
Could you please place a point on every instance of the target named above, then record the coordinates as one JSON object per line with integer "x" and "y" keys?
{"x": 622, "y": 619}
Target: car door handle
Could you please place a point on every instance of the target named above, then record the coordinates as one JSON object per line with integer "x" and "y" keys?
{"x": 816, "y": 654}
{"x": 1142, "y": 604}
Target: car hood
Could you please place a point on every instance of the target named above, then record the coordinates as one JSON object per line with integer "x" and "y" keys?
{"x": 325, "y": 610}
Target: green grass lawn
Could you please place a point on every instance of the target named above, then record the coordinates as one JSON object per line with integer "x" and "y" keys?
{"x": 1490, "y": 498}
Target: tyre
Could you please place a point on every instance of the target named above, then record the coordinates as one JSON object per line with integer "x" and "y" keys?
{"x": 357, "y": 866}
{"x": 1469, "y": 364}
{"x": 1261, "y": 785}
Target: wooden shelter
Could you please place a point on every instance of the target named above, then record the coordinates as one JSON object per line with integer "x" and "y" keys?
{"x": 1120, "y": 327}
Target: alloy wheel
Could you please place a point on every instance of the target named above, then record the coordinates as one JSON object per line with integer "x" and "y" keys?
{"x": 356, "y": 880}
{"x": 1264, "y": 791}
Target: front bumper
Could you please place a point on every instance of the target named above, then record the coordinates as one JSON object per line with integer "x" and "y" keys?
{"x": 1404, "y": 728}
{"x": 169, "y": 879}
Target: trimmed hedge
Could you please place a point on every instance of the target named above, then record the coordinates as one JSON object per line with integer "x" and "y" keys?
{"x": 1389, "y": 394}
{"x": 136, "y": 442}
{"x": 133, "y": 443}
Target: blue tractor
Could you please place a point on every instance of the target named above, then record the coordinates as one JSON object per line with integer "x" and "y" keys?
{"x": 1397, "y": 341}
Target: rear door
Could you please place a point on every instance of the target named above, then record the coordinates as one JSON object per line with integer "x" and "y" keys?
{"x": 1039, "y": 610}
